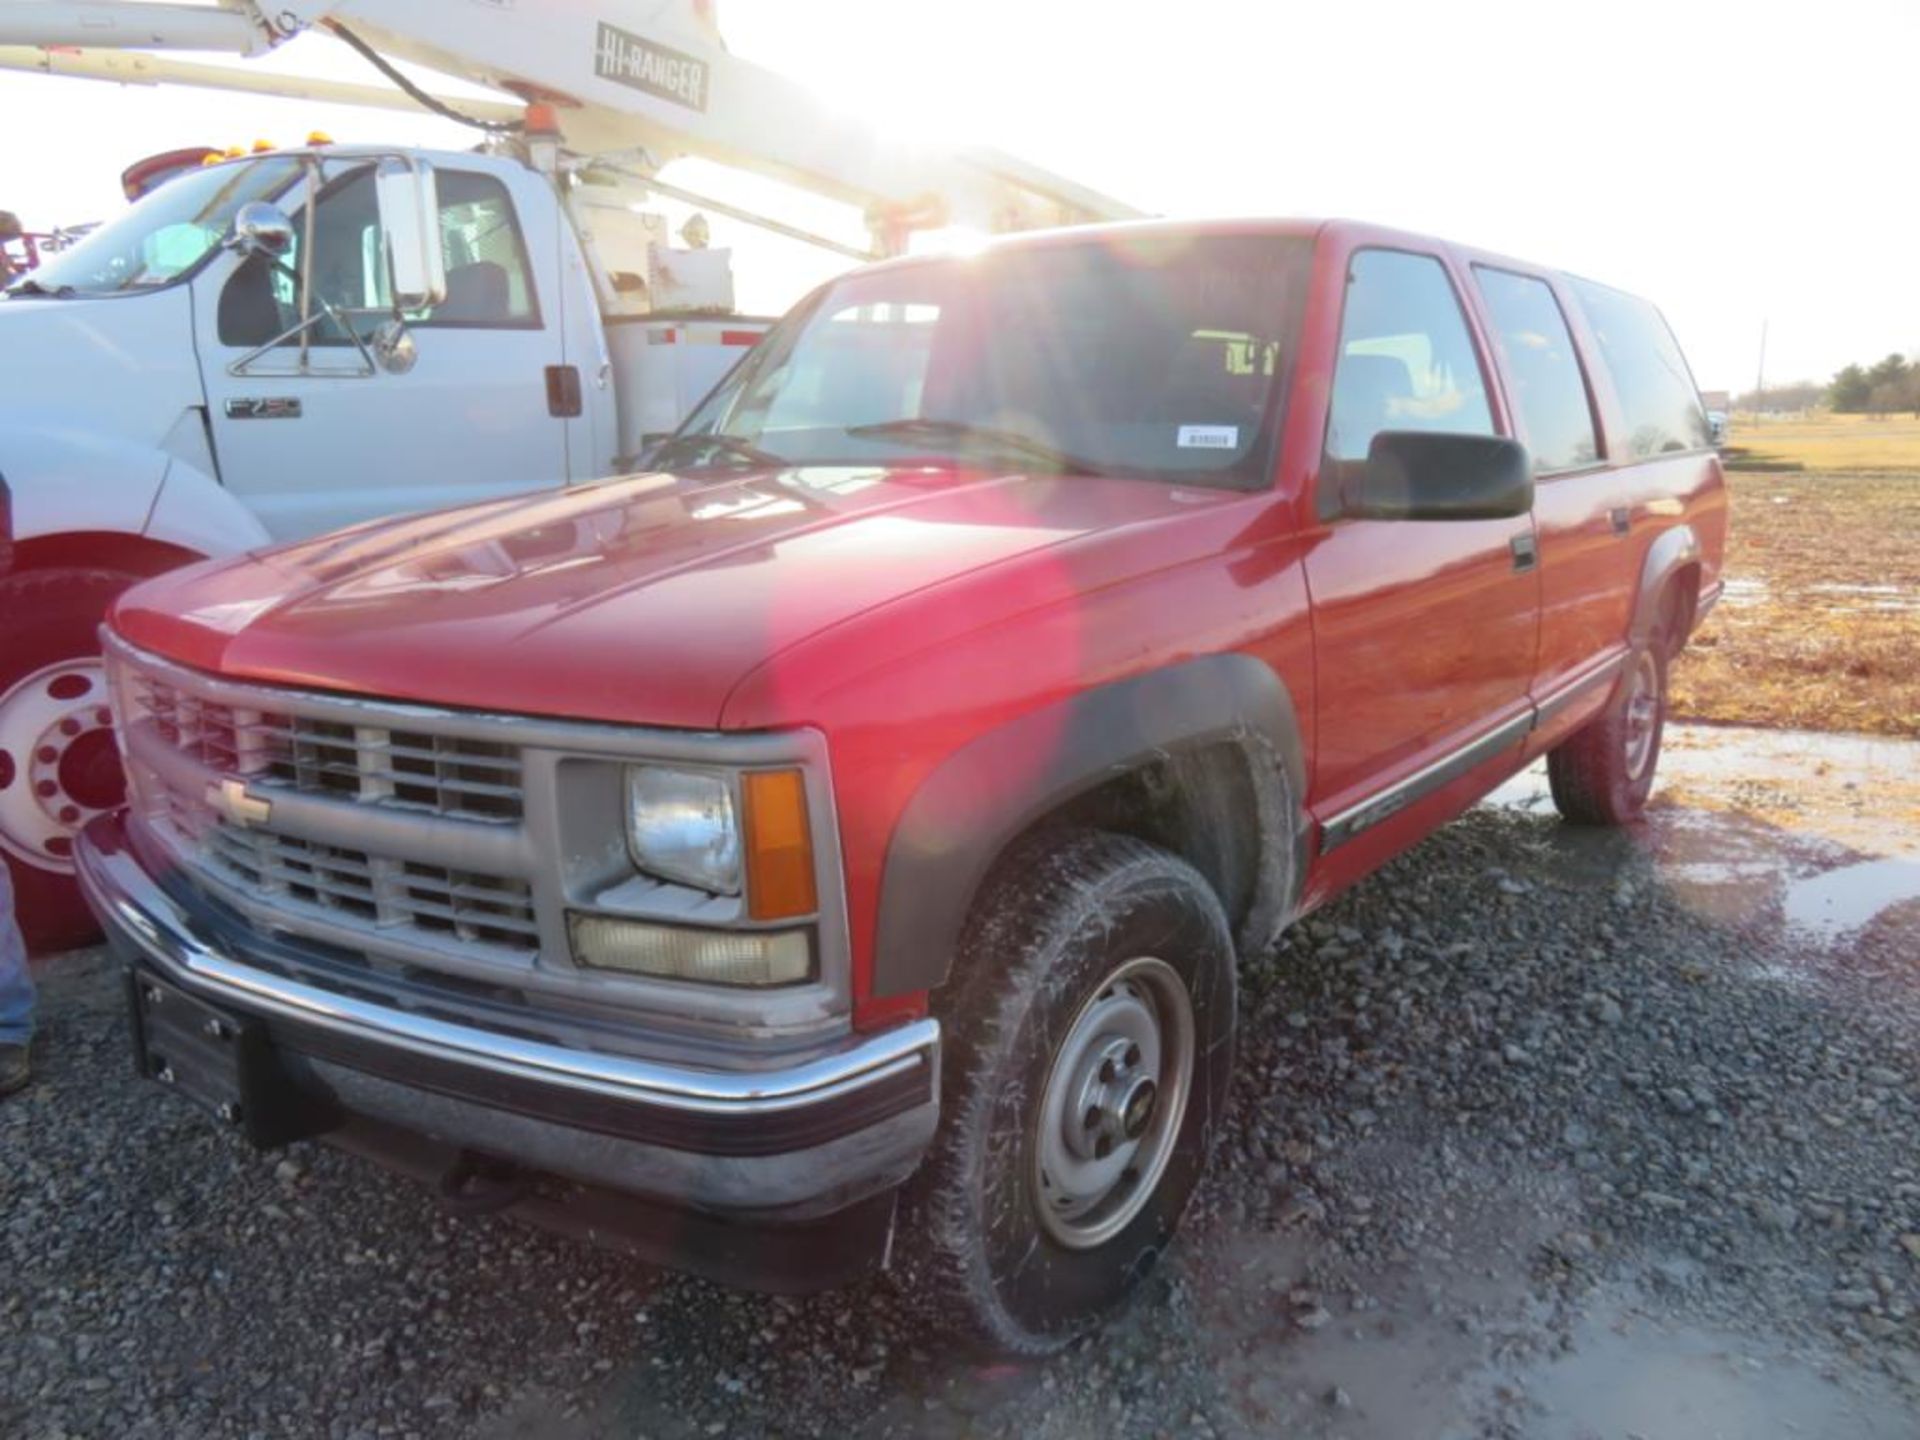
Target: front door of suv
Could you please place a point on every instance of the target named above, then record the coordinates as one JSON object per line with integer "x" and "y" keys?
{"x": 1425, "y": 631}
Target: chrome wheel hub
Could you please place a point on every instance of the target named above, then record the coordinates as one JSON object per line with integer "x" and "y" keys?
{"x": 1642, "y": 714}
{"x": 1114, "y": 1099}
{"x": 59, "y": 767}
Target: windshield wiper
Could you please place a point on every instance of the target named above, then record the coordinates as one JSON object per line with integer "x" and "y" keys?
{"x": 727, "y": 444}
{"x": 967, "y": 432}
{"x": 31, "y": 286}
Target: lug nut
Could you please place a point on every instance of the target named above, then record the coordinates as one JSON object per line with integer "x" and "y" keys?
{"x": 1133, "y": 1056}
{"x": 1107, "y": 1072}
{"x": 1092, "y": 1120}
{"x": 1103, "y": 1147}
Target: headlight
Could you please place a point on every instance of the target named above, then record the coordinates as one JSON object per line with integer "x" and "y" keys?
{"x": 681, "y": 826}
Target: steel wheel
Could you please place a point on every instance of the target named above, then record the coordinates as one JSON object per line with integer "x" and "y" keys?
{"x": 1642, "y": 714}
{"x": 1114, "y": 1099}
{"x": 59, "y": 767}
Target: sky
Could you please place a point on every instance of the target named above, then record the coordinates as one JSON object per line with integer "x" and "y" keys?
{"x": 1738, "y": 164}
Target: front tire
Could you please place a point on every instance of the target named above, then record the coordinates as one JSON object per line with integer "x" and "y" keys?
{"x": 1090, "y": 1046}
{"x": 59, "y": 767}
{"x": 1603, "y": 773}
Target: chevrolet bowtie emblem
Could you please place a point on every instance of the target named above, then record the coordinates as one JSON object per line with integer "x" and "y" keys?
{"x": 231, "y": 799}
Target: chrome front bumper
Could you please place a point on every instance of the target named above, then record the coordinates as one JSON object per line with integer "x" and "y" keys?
{"x": 803, "y": 1139}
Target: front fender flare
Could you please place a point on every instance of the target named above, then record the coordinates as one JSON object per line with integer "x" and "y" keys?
{"x": 944, "y": 845}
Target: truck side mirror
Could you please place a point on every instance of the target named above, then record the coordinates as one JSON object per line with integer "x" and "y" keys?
{"x": 1423, "y": 475}
{"x": 262, "y": 228}
{"x": 409, "y": 204}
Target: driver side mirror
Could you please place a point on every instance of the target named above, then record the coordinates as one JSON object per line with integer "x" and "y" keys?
{"x": 1424, "y": 475}
{"x": 409, "y": 204}
{"x": 262, "y": 228}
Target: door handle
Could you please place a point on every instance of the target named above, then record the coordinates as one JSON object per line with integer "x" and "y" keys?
{"x": 563, "y": 391}
{"x": 1621, "y": 518}
{"x": 1526, "y": 551}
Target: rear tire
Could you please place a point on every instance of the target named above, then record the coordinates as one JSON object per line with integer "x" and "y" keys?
{"x": 59, "y": 767}
{"x": 1603, "y": 773}
{"x": 1088, "y": 1054}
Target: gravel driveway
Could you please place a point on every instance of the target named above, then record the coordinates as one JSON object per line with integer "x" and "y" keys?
{"x": 1538, "y": 1133}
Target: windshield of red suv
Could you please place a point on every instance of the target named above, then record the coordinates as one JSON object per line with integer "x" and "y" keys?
{"x": 1148, "y": 355}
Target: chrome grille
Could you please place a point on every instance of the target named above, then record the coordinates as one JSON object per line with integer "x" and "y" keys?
{"x": 421, "y": 894}
{"x": 461, "y": 778}
{"x": 485, "y": 909}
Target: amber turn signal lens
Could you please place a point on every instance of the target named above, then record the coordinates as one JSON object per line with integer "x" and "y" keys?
{"x": 779, "y": 846}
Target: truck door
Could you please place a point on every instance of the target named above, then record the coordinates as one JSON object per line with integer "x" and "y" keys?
{"x": 1425, "y": 631}
{"x": 318, "y": 438}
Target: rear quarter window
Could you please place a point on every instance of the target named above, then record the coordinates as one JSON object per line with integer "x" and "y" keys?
{"x": 1650, "y": 376}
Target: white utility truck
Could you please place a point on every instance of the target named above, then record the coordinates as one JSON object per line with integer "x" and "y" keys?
{"x": 288, "y": 342}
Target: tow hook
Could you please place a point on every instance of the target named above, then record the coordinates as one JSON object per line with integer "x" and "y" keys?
{"x": 481, "y": 1185}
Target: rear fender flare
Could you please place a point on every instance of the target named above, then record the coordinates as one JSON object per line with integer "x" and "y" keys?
{"x": 1672, "y": 551}
{"x": 944, "y": 845}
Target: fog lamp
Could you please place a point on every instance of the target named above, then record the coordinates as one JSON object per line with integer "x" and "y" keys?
{"x": 672, "y": 952}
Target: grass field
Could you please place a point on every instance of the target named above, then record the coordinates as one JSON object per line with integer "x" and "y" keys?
{"x": 1820, "y": 626}
{"x": 1825, "y": 442}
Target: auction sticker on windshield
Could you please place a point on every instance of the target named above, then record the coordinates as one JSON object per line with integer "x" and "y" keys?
{"x": 1208, "y": 437}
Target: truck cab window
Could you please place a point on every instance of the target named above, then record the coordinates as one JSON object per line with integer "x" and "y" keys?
{"x": 1406, "y": 360}
{"x": 1549, "y": 387}
{"x": 489, "y": 283}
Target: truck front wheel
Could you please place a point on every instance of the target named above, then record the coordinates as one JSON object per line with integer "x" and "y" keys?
{"x": 59, "y": 766}
{"x": 1090, "y": 1043}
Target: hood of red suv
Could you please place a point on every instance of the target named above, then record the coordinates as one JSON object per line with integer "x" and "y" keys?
{"x": 639, "y": 600}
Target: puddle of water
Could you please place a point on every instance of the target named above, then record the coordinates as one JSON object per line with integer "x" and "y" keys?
{"x": 1871, "y": 597}
{"x": 1826, "y": 826}
{"x": 1842, "y": 902}
{"x": 1630, "y": 1376}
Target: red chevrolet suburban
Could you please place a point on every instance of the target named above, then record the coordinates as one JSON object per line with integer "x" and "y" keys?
{"x": 859, "y": 815}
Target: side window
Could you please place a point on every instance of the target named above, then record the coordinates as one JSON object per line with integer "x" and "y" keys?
{"x": 1537, "y": 354}
{"x": 1662, "y": 407}
{"x": 488, "y": 279}
{"x": 489, "y": 283}
{"x": 1407, "y": 360}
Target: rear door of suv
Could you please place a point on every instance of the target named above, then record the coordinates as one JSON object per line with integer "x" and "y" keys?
{"x": 1583, "y": 529}
{"x": 1604, "y": 400}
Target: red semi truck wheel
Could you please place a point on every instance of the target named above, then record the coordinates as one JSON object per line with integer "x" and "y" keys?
{"x": 59, "y": 766}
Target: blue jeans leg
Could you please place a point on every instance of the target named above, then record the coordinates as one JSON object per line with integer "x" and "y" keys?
{"x": 16, "y": 985}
